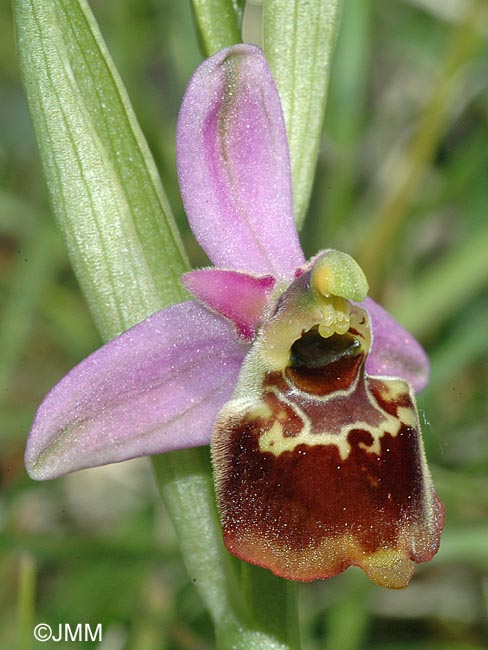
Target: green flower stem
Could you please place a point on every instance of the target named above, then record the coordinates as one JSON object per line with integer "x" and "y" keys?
{"x": 26, "y": 600}
{"x": 348, "y": 607}
{"x": 185, "y": 483}
{"x": 257, "y": 612}
{"x": 218, "y": 23}
{"x": 126, "y": 252}
{"x": 261, "y": 588}
{"x": 299, "y": 40}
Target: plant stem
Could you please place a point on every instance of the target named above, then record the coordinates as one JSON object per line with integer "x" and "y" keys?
{"x": 262, "y": 614}
{"x": 26, "y": 599}
{"x": 266, "y": 594}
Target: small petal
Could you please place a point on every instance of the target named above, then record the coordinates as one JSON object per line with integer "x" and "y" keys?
{"x": 233, "y": 165}
{"x": 155, "y": 388}
{"x": 240, "y": 297}
{"x": 395, "y": 352}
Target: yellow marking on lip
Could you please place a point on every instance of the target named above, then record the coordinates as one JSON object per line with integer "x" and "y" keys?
{"x": 407, "y": 416}
{"x": 275, "y": 441}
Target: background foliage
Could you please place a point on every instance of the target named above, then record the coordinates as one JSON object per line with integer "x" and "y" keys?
{"x": 402, "y": 183}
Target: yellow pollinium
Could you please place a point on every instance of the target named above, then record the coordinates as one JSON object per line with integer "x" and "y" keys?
{"x": 320, "y": 296}
{"x": 335, "y": 317}
{"x": 337, "y": 278}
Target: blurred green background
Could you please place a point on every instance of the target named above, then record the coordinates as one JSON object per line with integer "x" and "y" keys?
{"x": 402, "y": 183}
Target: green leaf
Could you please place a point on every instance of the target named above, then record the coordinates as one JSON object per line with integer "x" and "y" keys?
{"x": 345, "y": 116}
{"x": 103, "y": 184}
{"x": 128, "y": 257}
{"x": 299, "y": 39}
{"x": 218, "y": 23}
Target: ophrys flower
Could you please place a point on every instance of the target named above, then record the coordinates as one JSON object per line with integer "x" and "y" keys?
{"x": 306, "y": 383}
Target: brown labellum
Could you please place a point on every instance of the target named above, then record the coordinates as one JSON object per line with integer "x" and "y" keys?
{"x": 319, "y": 467}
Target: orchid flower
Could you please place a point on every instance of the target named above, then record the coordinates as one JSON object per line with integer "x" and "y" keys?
{"x": 304, "y": 385}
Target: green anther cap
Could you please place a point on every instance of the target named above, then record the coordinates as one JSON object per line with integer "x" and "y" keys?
{"x": 338, "y": 274}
